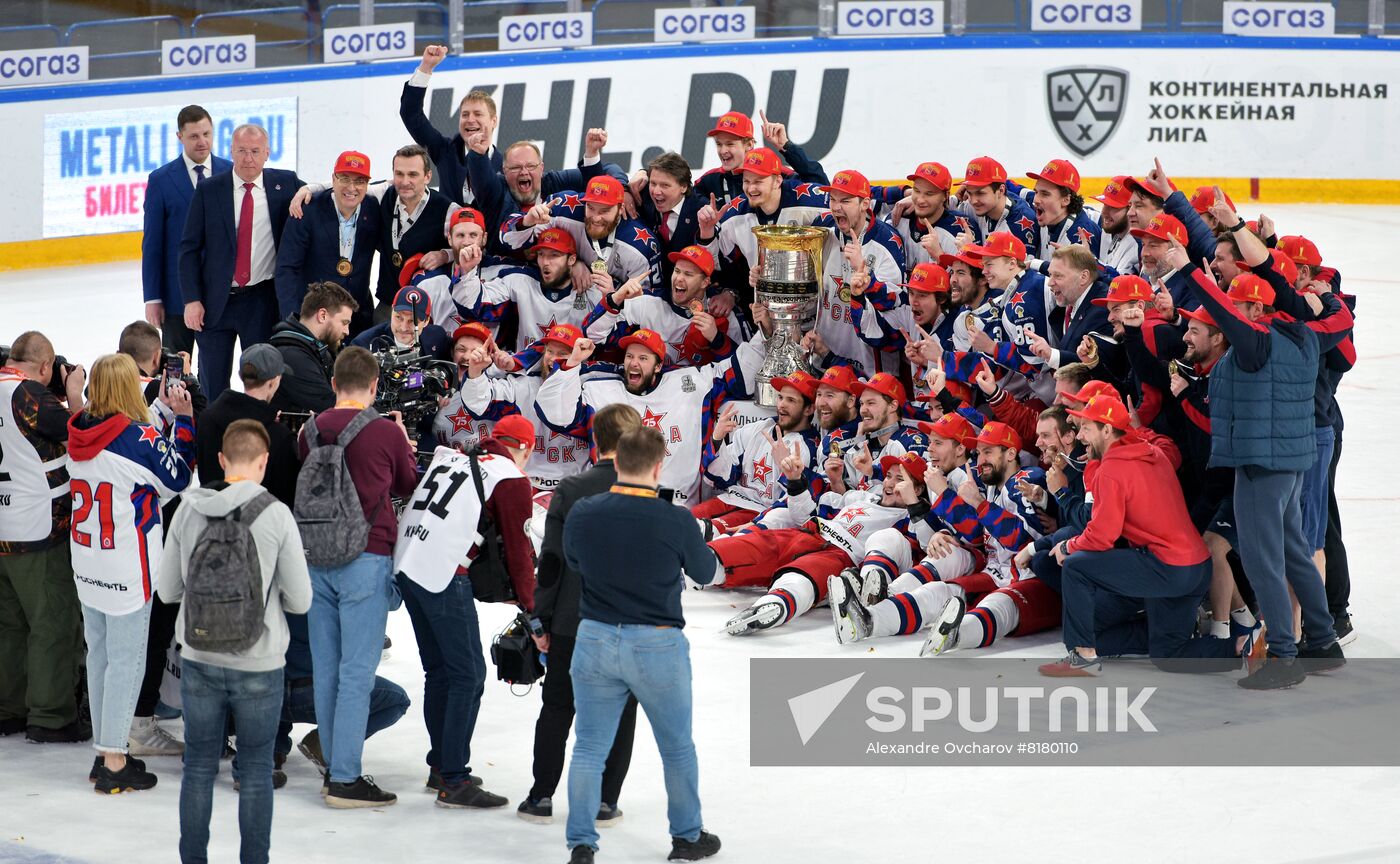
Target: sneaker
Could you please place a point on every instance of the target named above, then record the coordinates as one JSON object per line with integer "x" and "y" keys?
{"x": 703, "y": 846}
{"x": 848, "y": 614}
{"x": 384, "y": 652}
{"x": 325, "y": 783}
{"x": 97, "y": 764}
{"x": 539, "y": 811}
{"x": 12, "y": 726}
{"x": 1346, "y": 634}
{"x": 1275, "y": 673}
{"x": 74, "y": 733}
{"x": 943, "y": 632}
{"x": 132, "y": 778}
{"x": 874, "y": 587}
{"x": 608, "y": 815}
{"x": 148, "y": 739}
{"x": 468, "y": 795}
{"x": 1254, "y": 648}
{"x": 1073, "y": 666}
{"x": 310, "y": 747}
{"x": 762, "y": 615}
{"x": 279, "y": 779}
{"x": 581, "y": 855}
{"x": 434, "y": 781}
{"x": 1327, "y": 659}
{"x": 361, "y": 793}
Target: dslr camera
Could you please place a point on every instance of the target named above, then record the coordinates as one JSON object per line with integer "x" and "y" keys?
{"x": 55, "y": 384}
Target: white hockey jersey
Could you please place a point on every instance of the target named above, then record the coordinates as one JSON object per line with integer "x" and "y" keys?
{"x": 654, "y": 312}
{"x": 743, "y": 467}
{"x": 681, "y": 406}
{"x": 537, "y": 309}
{"x": 437, "y": 531}
{"x": 1119, "y": 251}
{"x": 884, "y": 260}
{"x": 28, "y": 482}
{"x": 556, "y": 455}
{"x": 844, "y": 520}
{"x": 630, "y": 251}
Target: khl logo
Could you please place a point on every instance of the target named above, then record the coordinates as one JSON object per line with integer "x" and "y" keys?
{"x": 1086, "y": 103}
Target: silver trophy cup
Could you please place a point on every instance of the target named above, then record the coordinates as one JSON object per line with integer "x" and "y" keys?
{"x": 789, "y": 280}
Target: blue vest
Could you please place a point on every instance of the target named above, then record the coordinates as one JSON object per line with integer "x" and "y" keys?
{"x": 1265, "y": 418}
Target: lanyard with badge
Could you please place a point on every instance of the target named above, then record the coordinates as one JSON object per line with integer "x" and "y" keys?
{"x": 402, "y": 222}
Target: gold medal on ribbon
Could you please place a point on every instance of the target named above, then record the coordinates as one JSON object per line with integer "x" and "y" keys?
{"x": 1172, "y": 368}
{"x": 1091, "y": 352}
{"x": 835, "y": 449}
{"x": 343, "y": 267}
{"x": 970, "y": 322}
{"x": 397, "y": 259}
{"x": 599, "y": 265}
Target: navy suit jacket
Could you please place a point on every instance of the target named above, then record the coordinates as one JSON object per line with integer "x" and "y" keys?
{"x": 448, "y": 154}
{"x": 209, "y": 244}
{"x": 310, "y": 251}
{"x": 687, "y": 231}
{"x": 1088, "y": 319}
{"x": 168, "y": 194}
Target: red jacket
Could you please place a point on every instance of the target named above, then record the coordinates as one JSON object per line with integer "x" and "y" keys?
{"x": 1136, "y": 498}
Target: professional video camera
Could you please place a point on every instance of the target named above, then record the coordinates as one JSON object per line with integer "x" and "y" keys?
{"x": 411, "y": 383}
{"x": 61, "y": 368}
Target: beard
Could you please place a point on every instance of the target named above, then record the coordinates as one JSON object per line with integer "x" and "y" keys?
{"x": 994, "y": 475}
{"x": 643, "y": 384}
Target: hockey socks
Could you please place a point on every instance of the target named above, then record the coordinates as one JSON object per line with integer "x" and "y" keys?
{"x": 906, "y": 612}
{"x": 991, "y": 619}
{"x": 794, "y": 591}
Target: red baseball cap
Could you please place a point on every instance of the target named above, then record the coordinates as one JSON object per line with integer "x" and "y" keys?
{"x": 952, "y": 427}
{"x": 553, "y": 238}
{"x": 733, "y": 123}
{"x": 984, "y": 171}
{"x": 1164, "y": 227}
{"x": 1248, "y": 288}
{"x": 1124, "y": 289}
{"x": 999, "y": 244}
{"x": 416, "y": 300}
{"x": 760, "y": 161}
{"x": 968, "y": 258}
{"x": 1060, "y": 172}
{"x": 697, "y": 255}
{"x": 1202, "y": 315}
{"x": 1106, "y": 409}
{"x": 840, "y": 378}
{"x": 514, "y": 431}
{"x": 1091, "y": 390}
{"x": 604, "y": 190}
{"x": 883, "y": 383}
{"x": 802, "y": 382}
{"x": 1136, "y": 185}
{"x": 1116, "y": 193}
{"x": 1283, "y": 266}
{"x": 929, "y": 278}
{"x": 351, "y": 162}
{"x": 474, "y": 329}
{"x": 1301, "y": 250}
{"x": 996, "y": 434}
{"x": 562, "y": 334}
{"x": 849, "y": 182}
{"x": 1204, "y": 199}
{"x": 935, "y": 173}
{"x": 648, "y": 339}
{"x": 466, "y": 214}
{"x": 912, "y": 463}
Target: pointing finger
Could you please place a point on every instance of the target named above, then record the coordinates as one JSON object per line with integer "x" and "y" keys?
{"x": 713, "y": 206}
{"x": 763, "y": 116}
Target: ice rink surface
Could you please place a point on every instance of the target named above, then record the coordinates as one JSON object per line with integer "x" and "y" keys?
{"x": 48, "y": 811}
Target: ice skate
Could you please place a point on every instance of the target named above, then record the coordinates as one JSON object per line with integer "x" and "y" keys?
{"x": 943, "y": 632}
{"x": 848, "y": 612}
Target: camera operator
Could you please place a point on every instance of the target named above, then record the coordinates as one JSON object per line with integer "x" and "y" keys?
{"x": 39, "y": 614}
{"x": 409, "y": 324}
{"x": 309, "y": 341}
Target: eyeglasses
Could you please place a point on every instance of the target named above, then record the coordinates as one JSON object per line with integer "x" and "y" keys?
{"x": 352, "y": 179}
{"x": 519, "y": 169}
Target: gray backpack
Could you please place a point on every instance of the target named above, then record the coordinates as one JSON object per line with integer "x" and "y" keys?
{"x": 327, "y": 509}
{"x": 224, "y": 603}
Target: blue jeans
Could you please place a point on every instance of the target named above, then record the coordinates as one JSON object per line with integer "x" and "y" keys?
{"x": 653, "y": 663}
{"x": 1276, "y": 557}
{"x": 1315, "y": 488}
{"x": 254, "y": 699}
{"x": 116, "y": 664}
{"x": 349, "y": 609}
{"x": 454, "y": 672}
{"x": 387, "y": 703}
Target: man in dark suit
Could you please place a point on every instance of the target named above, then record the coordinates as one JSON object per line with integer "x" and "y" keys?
{"x": 168, "y": 192}
{"x": 678, "y": 214}
{"x": 228, "y": 254}
{"x": 334, "y": 241}
{"x": 476, "y": 114}
{"x": 412, "y": 221}
{"x": 1078, "y": 290}
{"x": 556, "y": 608}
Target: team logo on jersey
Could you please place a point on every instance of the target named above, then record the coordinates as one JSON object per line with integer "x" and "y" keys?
{"x": 687, "y": 384}
{"x": 1085, "y": 104}
{"x": 761, "y": 470}
{"x": 150, "y": 436}
{"x": 461, "y": 421}
{"x": 652, "y": 419}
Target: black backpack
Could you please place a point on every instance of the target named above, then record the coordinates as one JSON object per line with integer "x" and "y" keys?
{"x": 224, "y": 602}
{"x": 488, "y": 572}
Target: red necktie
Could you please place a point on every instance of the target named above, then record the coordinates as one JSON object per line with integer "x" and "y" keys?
{"x": 243, "y": 263}
{"x": 666, "y": 228}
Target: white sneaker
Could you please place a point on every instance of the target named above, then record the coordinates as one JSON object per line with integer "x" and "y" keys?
{"x": 943, "y": 632}
{"x": 148, "y": 739}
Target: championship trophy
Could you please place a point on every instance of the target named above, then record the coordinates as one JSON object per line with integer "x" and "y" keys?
{"x": 789, "y": 282}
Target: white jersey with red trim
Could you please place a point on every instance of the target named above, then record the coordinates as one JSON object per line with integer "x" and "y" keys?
{"x": 555, "y": 455}
{"x": 630, "y": 251}
{"x": 537, "y": 308}
{"x": 28, "y": 483}
{"x": 845, "y": 520}
{"x": 884, "y": 261}
{"x": 654, "y": 312}
{"x": 744, "y": 470}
